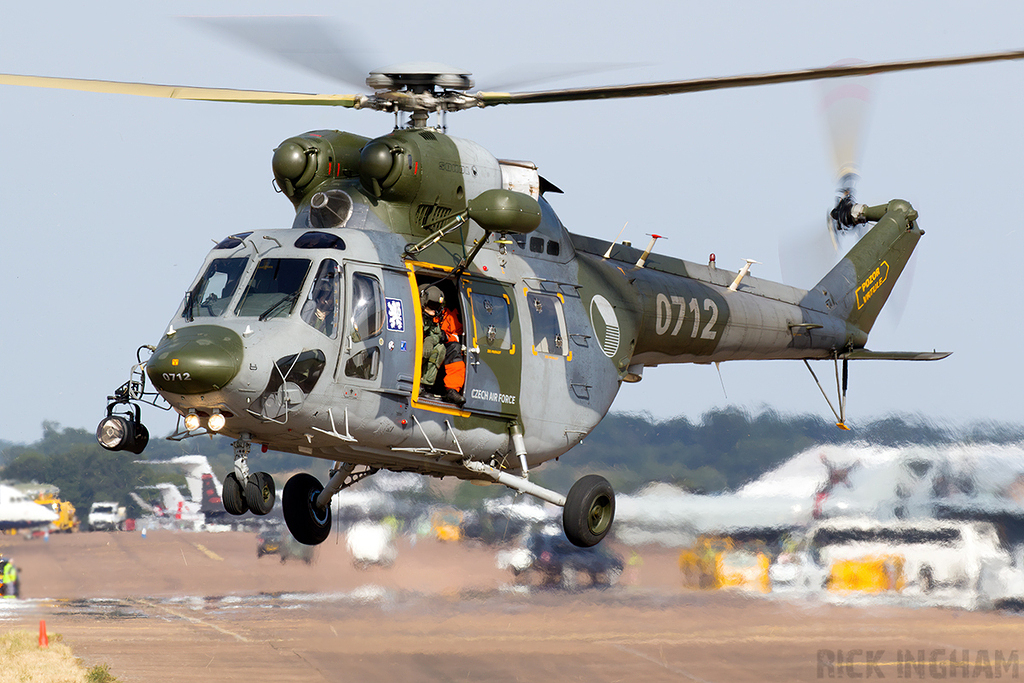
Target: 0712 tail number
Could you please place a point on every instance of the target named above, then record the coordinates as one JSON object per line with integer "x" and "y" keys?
{"x": 665, "y": 306}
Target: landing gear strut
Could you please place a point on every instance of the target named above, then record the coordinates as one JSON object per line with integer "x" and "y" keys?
{"x": 587, "y": 512}
{"x": 246, "y": 491}
{"x": 308, "y": 522}
{"x": 259, "y": 493}
{"x": 233, "y": 496}
{"x": 307, "y": 504}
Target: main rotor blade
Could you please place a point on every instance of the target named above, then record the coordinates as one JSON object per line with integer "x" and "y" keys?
{"x": 182, "y": 92}
{"x": 313, "y": 43}
{"x": 487, "y": 99}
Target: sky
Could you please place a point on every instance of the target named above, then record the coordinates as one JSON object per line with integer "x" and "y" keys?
{"x": 108, "y": 203}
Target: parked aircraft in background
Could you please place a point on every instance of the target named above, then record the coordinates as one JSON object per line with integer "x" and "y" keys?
{"x": 18, "y": 511}
{"x": 976, "y": 482}
{"x": 203, "y": 506}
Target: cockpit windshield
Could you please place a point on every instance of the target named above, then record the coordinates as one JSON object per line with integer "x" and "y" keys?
{"x": 273, "y": 289}
{"x": 213, "y": 292}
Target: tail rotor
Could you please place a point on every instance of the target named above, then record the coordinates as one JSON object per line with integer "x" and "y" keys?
{"x": 805, "y": 255}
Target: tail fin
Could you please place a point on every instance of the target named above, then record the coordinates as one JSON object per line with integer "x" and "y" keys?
{"x": 211, "y": 495}
{"x": 860, "y": 284}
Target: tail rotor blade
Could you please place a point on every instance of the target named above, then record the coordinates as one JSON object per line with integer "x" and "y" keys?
{"x": 805, "y": 255}
{"x": 845, "y": 106}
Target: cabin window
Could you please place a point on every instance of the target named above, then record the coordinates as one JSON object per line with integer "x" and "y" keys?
{"x": 548, "y": 322}
{"x": 553, "y": 248}
{"x": 537, "y": 245}
{"x": 323, "y": 303}
{"x": 492, "y": 321}
{"x": 274, "y": 288}
{"x": 232, "y": 241}
{"x": 363, "y": 365}
{"x": 319, "y": 240}
{"x": 212, "y": 294}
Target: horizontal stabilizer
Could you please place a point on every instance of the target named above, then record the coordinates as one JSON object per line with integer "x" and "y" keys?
{"x": 864, "y": 354}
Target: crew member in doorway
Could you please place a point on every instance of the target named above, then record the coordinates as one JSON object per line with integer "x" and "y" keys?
{"x": 442, "y": 346}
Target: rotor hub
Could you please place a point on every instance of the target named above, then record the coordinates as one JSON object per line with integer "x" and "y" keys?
{"x": 420, "y": 77}
{"x": 420, "y": 88}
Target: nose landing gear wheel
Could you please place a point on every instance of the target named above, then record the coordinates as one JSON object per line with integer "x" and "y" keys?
{"x": 259, "y": 493}
{"x": 308, "y": 524}
{"x": 232, "y": 495}
{"x": 589, "y": 511}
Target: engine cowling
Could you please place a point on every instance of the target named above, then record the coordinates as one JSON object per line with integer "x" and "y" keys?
{"x": 302, "y": 163}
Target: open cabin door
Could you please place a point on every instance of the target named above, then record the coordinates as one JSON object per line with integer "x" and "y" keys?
{"x": 493, "y": 348}
{"x": 490, "y": 333}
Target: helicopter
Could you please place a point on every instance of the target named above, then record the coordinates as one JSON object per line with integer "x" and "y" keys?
{"x": 309, "y": 339}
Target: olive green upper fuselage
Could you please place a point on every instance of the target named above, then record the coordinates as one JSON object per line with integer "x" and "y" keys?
{"x": 551, "y": 325}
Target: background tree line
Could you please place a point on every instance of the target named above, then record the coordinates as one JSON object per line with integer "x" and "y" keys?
{"x": 723, "y": 450}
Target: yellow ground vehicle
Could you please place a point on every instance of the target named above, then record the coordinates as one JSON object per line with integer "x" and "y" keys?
{"x": 67, "y": 520}
{"x": 446, "y": 523}
{"x": 868, "y": 574}
{"x": 717, "y": 562}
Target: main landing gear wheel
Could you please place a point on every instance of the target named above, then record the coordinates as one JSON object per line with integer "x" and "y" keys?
{"x": 589, "y": 511}
{"x": 232, "y": 495}
{"x": 308, "y": 524}
{"x": 259, "y": 493}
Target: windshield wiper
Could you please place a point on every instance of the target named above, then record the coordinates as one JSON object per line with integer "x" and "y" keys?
{"x": 288, "y": 298}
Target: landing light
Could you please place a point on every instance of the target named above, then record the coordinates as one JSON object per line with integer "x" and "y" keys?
{"x": 121, "y": 433}
{"x": 112, "y": 431}
{"x": 216, "y": 421}
{"x": 192, "y": 421}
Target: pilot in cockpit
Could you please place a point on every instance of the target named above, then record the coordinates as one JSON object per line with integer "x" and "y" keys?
{"x": 319, "y": 311}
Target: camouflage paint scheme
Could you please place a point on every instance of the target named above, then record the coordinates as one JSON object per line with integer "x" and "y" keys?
{"x": 552, "y": 325}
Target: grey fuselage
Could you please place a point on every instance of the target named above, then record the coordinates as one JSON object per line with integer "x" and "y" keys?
{"x": 553, "y": 322}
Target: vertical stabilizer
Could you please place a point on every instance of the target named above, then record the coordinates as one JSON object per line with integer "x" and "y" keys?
{"x": 857, "y": 288}
{"x": 202, "y": 484}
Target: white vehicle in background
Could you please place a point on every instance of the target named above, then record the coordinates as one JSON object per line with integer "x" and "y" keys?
{"x": 371, "y": 543}
{"x": 106, "y": 516}
{"x": 941, "y": 562}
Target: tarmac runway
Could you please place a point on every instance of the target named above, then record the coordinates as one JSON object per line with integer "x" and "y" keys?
{"x": 215, "y": 612}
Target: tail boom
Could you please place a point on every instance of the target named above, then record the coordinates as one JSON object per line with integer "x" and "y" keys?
{"x": 699, "y": 314}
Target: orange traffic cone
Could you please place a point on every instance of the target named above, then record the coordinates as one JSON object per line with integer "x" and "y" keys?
{"x": 44, "y": 641}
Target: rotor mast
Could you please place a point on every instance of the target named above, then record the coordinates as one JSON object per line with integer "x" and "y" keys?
{"x": 420, "y": 88}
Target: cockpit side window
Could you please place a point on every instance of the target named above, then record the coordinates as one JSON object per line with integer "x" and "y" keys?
{"x": 366, "y": 322}
{"x": 273, "y": 289}
{"x": 212, "y": 294}
{"x": 367, "y": 307}
{"x": 323, "y": 304}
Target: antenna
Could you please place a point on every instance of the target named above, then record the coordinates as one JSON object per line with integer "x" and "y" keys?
{"x": 608, "y": 254}
{"x": 742, "y": 274}
{"x": 647, "y": 252}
